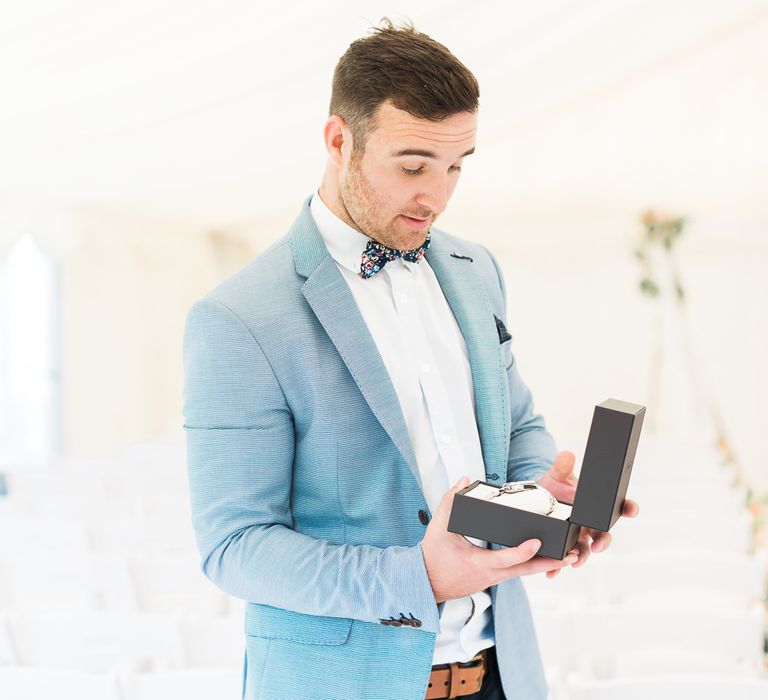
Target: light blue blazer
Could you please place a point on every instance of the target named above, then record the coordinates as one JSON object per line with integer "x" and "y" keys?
{"x": 305, "y": 491}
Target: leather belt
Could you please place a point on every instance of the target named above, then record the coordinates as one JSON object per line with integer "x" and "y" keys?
{"x": 456, "y": 679}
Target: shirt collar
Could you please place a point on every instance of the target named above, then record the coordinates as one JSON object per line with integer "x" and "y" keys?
{"x": 344, "y": 243}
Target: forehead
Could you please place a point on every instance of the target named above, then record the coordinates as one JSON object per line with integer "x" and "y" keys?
{"x": 396, "y": 129}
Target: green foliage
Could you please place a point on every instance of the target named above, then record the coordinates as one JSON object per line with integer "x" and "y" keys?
{"x": 662, "y": 232}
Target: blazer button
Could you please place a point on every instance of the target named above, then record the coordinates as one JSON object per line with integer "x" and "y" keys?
{"x": 423, "y": 517}
{"x": 412, "y": 621}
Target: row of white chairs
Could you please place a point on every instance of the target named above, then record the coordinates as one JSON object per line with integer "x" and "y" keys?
{"x": 62, "y": 684}
{"x": 592, "y": 638}
{"x": 604, "y": 640}
{"x": 649, "y": 686}
{"x": 167, "y": 535}
{"x": 690, "y": 577}
{"x": 213, "y": 684}
{"x": 102, "y": 642}
{"x": 684, "y": 529}
{"x": 675, "y": 608}
{"x": 50, "y": 580}
{"x": 177, "y": 584}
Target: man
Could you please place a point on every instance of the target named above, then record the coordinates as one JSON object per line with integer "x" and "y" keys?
{"x": 339, "y": 384}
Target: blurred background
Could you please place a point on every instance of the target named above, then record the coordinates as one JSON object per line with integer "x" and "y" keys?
{"x": 148, "y": 150}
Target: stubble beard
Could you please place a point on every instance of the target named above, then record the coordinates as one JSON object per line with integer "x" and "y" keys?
{"x": 358, "y": 198}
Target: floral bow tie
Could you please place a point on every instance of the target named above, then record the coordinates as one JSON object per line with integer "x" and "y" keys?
{"x": 376, "y": 255}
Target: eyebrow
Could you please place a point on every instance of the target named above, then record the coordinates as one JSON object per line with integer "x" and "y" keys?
{"x": 425, "y": 154}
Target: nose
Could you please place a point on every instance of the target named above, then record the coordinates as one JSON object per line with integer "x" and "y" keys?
{"x": 435, "y": 193}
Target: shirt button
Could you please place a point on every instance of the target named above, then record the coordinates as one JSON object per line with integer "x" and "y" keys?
{"x": 426, "y": 367}
{"x": 447, "y": 439}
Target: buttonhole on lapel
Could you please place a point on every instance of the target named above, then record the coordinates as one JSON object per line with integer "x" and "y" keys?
{"x": 462, "y": 257}
{"x": 504, "y": 335}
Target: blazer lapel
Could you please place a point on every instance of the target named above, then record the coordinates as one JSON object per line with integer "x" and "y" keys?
{"x": 328, "y": 294}
{"x": 465, "y": 293}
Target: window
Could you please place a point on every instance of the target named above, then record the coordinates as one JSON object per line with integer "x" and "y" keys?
{"x": 28, "y": 356}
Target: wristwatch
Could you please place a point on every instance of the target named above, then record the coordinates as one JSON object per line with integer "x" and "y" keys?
{"x": 526, "y": 495}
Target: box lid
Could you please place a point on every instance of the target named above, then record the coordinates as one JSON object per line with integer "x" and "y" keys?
{"x": 607, "y": 465}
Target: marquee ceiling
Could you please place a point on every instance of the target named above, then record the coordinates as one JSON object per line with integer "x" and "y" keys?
{"x": 211, "y": 113}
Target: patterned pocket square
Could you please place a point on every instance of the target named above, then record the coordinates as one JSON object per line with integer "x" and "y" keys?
{"x": 504, "y": 335}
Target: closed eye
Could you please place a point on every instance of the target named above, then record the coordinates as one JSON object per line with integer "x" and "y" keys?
{"x": 409, "y": 171}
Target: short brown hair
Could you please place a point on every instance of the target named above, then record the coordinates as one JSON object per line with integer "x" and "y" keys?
{"x": 418, "y": 74}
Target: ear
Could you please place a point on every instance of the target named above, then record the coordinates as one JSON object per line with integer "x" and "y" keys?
{"x": 338, "y": 140}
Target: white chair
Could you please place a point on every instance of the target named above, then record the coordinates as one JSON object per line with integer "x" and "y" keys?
{"x": 675, "y": 532}
{"x": 601, "y": 634}
{"x": 670, "y": 688}
{"x": 187, "y": 684}
{"x": 591, "y": 640}
{"x": 43, "y": 683}
{"x": 170, "y": 535}
{"x": 98, "y": 642}
{"x": 175, "y": 585}
{"x": 676, "y": 662}
{"x": 683, "y": 579}
{"x": 690, "y": 575}
{"x": 214, "y": 642}
{"x": 32, "y": 533}
{"x": 52, "y": 492}
{"x": 60, "y": 580}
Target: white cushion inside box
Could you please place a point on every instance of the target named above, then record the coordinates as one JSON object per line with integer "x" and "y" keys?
{"x": 534, "y": 501}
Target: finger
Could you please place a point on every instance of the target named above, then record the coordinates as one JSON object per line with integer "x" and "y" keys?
{"x": 601, "y": 542}
{"x": 443, "y": 511}
{"x": 562, "y": 468}
{"x": 510, "y": 556}
{"x": 536, "y": 565}
{"x": 553, "y": 572}
{"x": 585, "y": 549}
{"x": 630, "y": 509}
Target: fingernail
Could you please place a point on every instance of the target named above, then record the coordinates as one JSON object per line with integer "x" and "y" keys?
{"x": 571, "y": 558}
{"x": 535, "y": 545}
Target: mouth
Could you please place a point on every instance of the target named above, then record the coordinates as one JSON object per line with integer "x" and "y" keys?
{"x": 415, "y": 222}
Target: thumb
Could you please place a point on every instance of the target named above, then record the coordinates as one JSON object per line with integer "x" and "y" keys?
{"x": 446, "y": 502}
{"x": 562, "y": 467}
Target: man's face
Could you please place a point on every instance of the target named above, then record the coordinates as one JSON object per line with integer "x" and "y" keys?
{"x": 406, "y": 175}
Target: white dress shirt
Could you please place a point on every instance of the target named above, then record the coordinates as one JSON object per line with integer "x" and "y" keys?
{"x": 425, "y": 354}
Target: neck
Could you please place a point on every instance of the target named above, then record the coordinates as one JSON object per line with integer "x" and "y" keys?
{"x": 329, "y": 193}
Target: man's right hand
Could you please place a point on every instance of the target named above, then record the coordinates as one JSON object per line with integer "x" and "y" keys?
{"x": 456, "y": 567}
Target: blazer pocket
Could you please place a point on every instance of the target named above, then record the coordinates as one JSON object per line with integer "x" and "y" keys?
{"x": 275, "y": 623}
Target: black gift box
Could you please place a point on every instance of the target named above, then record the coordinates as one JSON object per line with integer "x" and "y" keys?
{"x": 600, "y": 493}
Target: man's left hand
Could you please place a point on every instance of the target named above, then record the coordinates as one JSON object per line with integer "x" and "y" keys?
{"x": 561, "y": 483}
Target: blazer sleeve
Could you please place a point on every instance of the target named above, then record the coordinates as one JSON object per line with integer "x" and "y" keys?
{"x": 240, "y": 449}
{"x": 532, "y": 448}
